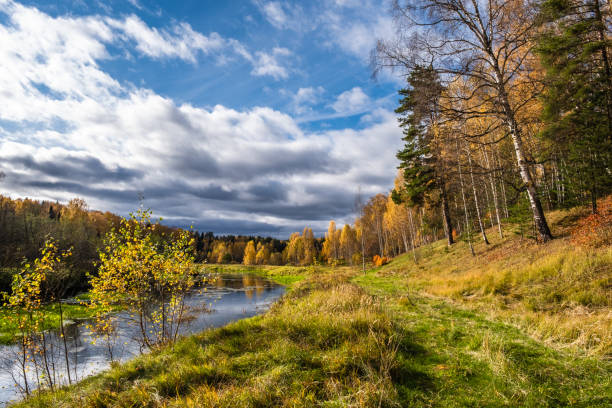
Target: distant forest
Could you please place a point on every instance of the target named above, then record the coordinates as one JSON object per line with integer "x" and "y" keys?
{"x": 25, "y": 224}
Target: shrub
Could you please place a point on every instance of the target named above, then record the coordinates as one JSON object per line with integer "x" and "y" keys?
{"x": 380, "y": 261}
{"x": 227, "y": 258}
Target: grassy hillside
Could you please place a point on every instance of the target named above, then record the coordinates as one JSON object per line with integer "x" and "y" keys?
{"x": 560, "y": 292}
{"x": 517, "y": 325}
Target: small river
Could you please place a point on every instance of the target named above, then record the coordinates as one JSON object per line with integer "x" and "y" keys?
{"x": 227, "y": 298}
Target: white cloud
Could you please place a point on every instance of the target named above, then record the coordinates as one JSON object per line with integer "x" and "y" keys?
{"x": 31, "y": 31}
{"x": 284, "y": 15}
{"x": 181, "y": 41}
{"x": 359, "y": 37}
{"x": 352, "y": 101}
{"x": 352, "y": 25}
{"x": 308, "y": 95}
{"x": 269, "y": 64}
{"x": 303, "y": 100}
{"x": 275, "y": 14}
{"x": 65, "y": 111}
{"x": 136, "y": 4}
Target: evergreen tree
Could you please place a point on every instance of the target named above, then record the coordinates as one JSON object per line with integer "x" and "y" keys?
{"x": 421, "y": 158}
{"x": 574, "y": 49}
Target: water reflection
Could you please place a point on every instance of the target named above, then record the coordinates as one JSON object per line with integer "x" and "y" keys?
{"x": 224, "y": 299}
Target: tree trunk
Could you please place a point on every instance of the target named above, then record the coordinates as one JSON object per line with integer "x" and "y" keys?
{"x": 465, "y": 208}
{"x": 480, "y": 225}
{"x": 606, "y": 61}
{"x": 412, "y": 237}
{"x": 63, "y": 334}
{"x": 534, "y": 201}
{"x": 494, "y": 191}
{"x": 446, "y": 216}
{"x": 363, "y": 249}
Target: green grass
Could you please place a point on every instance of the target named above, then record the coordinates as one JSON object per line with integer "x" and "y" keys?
{"x": 559, "y": 293}
{"x": 339, "y": 339}
{"x": 8, "y": 327}
{"x": 466, "y": 359}
{"x": 520, "y": 325}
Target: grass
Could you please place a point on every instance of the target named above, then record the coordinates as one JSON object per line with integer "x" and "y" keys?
{"x": 327, "y": 341}
{"x": 451, "y": 331}
{"x": 9, "y": 330}
{"x": 559, "y": 293}
{"x": 464, "y": 358}
{"x": 284, "y": 275}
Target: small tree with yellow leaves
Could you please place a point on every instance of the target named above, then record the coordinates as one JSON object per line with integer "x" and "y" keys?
{"x": 250, "y": 255}
{"x": 150, "y": 278}
{"x": 27, "y": 299}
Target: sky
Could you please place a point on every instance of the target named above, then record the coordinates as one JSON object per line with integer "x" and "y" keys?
{"x": 237, "y": 117}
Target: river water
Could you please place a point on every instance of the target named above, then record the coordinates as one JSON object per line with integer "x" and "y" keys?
{"x": 227, "y": 298}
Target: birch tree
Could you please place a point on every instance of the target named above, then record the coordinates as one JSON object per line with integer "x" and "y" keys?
{"x": 487, "y": 43}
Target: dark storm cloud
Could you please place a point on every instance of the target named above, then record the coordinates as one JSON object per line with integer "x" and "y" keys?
{"x": 179, "y": 191}
{"x": 77, "y": 168}
{"x": 196, "y": 164}
{"x": 282, "y": 161}
{"x": 271, "y": 161}
{"x": 230, "y": 226}
{"x": 374, "y": 179}
{"x": 184, "y": 202}
{"x": 76, "y": 189}
{"x": 269, "y": 191}
{"x": 323, "y": 209}
{"x": 327, "y": 204}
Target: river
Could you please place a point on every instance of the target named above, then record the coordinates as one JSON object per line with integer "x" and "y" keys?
{"x": 227, "y": 298}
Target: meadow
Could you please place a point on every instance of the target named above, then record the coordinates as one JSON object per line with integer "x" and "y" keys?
{"x": 520, "y": 324}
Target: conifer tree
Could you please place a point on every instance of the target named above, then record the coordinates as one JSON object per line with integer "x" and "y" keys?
{"x": 421, "y": 159}
{"x": 574, "y": 49}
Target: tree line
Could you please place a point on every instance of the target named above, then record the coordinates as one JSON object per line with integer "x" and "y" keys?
{"x": 507, "y": 106}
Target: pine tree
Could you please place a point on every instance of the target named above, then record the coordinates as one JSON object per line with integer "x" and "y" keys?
{"x": 421, "y": 158}
{"x": 574, "y": 49}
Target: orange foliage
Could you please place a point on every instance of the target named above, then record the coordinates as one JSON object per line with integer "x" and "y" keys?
{"x": 380, "y": 261}
{"x": 596, "y": 229}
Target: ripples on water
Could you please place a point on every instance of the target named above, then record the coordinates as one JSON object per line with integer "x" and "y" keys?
{"x": 227, "y": 298}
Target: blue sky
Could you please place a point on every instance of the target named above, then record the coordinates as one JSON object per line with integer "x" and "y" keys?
{"x": 237, "y": 117}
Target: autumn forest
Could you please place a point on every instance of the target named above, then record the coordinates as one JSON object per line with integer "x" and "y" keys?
{"x": 480, "y": 276}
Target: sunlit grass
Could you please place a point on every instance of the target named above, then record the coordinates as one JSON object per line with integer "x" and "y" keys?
{"x": 326, "y": 342}
{"x": 350, "y": 340}
{"x": 520, "y": 324}
{"x": 8, "y": 326}
{"x": 559, "y": 292}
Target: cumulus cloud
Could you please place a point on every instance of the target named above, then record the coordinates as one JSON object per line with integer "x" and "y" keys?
{"x": 303, "y": 100}
{"x": 180, "y": 41}
{"x": 275, "y": 14}
{"x": 352, "y": 101}
{"x": 69, "y": 128}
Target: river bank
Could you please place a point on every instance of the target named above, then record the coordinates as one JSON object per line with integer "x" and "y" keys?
{"x": 449, "y": 330}
{"x": 224, "y": 299}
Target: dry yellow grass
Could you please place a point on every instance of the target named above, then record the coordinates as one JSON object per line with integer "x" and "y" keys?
{"x": 559, "y": 292}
